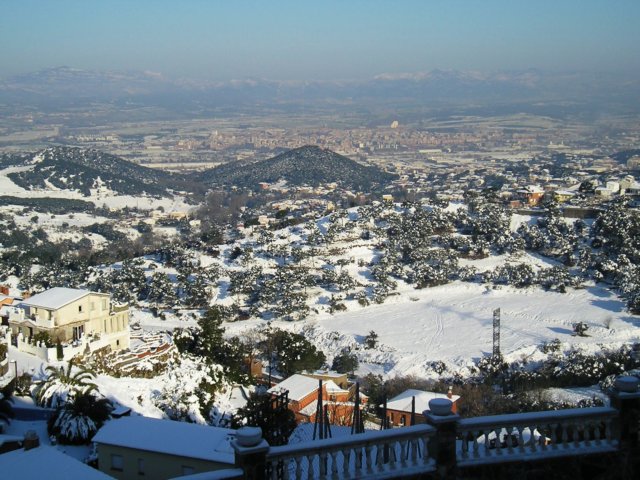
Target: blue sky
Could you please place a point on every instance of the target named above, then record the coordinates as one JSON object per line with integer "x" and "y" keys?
{"x": 307, "y": 40}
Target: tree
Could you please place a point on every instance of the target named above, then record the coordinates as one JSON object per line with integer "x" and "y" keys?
{"x": 580, "y": 329}
{"x": 61, "y": 385}
{"x": 79, "y": 419}
{"x": 277, "y": 423}
{"x": 6, "y": 405}
{"x": 371, "y": 340}
{"x": 294, "y": 352}
{"x": 197, "y": 292}
{"x": 161, "y": 291}
{"x": 345, "y": 362}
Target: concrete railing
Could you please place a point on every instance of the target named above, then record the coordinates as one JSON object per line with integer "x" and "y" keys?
{"x": 528, "y": 436}
{"x": 448, "y": 445}
{"x": 398, "y": 452}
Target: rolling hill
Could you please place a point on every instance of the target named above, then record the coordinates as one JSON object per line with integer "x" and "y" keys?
{"x": 308, "y": 165}
{"x": 83, "y": 170}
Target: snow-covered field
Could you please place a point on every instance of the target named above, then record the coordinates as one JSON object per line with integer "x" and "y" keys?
{"x": 454, "y": 324}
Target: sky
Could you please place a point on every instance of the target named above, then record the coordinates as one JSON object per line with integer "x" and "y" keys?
{"x": 318, "y": 40}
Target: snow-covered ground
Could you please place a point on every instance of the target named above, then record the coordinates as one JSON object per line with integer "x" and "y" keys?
{"x": 454, "y": 323}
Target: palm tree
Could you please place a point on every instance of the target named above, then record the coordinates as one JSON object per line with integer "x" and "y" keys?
{"x": 6, "y": 407}
{"x": 79, "y": 420}
{"x": 62, "y": 386}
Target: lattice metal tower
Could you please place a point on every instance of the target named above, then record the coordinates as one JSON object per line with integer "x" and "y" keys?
{"x": 496, "y": 332}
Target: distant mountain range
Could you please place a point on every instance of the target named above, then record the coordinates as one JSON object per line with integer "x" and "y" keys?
{"x": 83, "y": 170}
{"x": 69, "y": 87}
{"x": 308, "y": 165}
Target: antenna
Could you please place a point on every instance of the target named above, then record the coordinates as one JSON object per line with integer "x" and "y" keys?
{"x": 496, "y": 332}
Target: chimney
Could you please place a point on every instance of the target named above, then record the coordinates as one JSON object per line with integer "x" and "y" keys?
{"x": 450, "y": 393}
{"x": 31, "y": 440}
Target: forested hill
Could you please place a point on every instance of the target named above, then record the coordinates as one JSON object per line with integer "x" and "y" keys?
{"x": 308, "y": 165}
{"x": 78, "y": 169}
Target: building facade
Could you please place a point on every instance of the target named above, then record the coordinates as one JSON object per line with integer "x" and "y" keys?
{"x": 72, "y": 316}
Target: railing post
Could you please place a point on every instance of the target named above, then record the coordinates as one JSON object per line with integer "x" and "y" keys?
{"x": 443, "y": 446}
{"x": 251, "y": 452}
{"x": 625, "y": 398}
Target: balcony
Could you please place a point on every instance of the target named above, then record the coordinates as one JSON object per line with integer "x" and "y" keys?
{"x": 451, "y": 447}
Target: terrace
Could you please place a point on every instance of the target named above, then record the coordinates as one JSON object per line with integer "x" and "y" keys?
{"x": 451, "y": 447}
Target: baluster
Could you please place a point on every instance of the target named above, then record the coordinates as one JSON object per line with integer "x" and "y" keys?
{"x": 285, "y": 467}
{"x": 543, "y": 437}
{"x": 269, "y": 467}
{"x": 588, "y": 427}
{"x": 358, "y": 460}
{"x": 380, "y": 455}
{"x": 476, "y": 444}
{"x": 520, "y": 430}
{"x": 334, "y": 463}
{"x": 607, "y": 431}
{"x": 311, "y": 470}
{"x": 597, "y": 433}
{"x": 565, "y": 435}
{"x": 348, "y": 456}
{"x": 465, "y": 445}
{"x": 508, "y": 438}
{"x": 533, "y": 445}
{"x": 497, "y": 431}
{"x": 487, "y": 443}
{"x": 403, "y": 453}
{"x": 414, "y": 446}
{"x": 426, "y": 454}
{"x": 298, "y": 460}
{"x": 554, "y": 436}
{"x": 575, "y": 429}
{"x": 322, "y": 459}
{"x": 367, "y": 450}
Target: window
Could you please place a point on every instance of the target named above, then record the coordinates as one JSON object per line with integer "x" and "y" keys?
{"x": 79, "y": 308}
{"x": 186, "y": 470}
{"x": 403, "y": 420}
{"x": 93, "y": 306}
{"x": 141, "y": 466}
{"x": 104, "y": 304}
{"x": 117, "y": 462}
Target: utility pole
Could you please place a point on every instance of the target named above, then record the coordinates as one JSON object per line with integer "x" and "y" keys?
{"x": 496, "y": 332}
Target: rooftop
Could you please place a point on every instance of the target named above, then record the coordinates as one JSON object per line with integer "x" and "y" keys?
{"x": 56, "y": 297}
{"x": 46, "y": 462}
{"x": 402, "y": 402}
{"x": 299, "y": 386}
{"x": 169, "y": 437}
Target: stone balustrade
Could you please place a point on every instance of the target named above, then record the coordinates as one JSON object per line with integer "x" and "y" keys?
{"x": 529, "y": 436}
{"x": 401, "y": 452}
{"x": 448, "y": 446}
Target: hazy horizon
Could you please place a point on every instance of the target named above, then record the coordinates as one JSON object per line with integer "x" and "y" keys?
{"x": 221, "y": 41}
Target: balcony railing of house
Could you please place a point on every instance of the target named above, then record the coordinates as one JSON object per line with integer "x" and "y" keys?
{"x": 447, "y": 444}
{"x": 387, "y": 453}
{"x": 534, "y": 435}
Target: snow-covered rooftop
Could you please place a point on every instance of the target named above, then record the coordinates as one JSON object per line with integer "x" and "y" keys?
{"x": 56, "y": 297}
{"x": 299, "y": 386}
{"x": 169, "y": 437}
{"x": 402, "y": 402}
{"x": 46, "y": 462}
